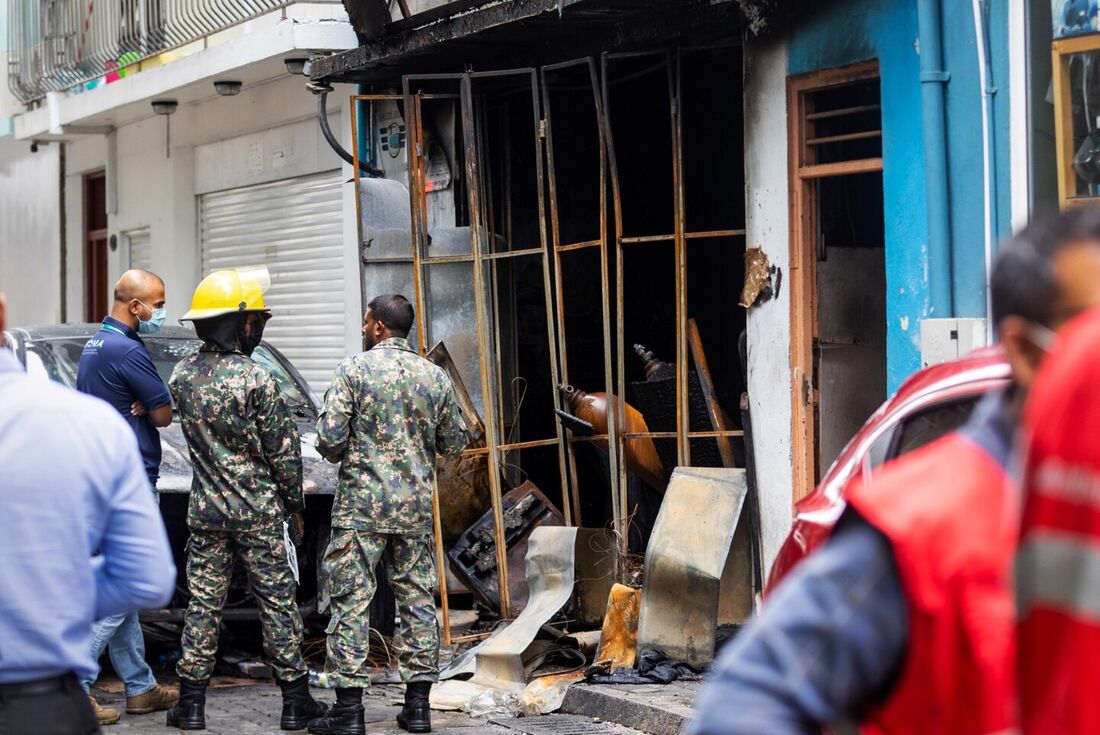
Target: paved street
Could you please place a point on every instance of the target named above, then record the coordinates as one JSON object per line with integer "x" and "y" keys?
{"x": 237, "y": 707}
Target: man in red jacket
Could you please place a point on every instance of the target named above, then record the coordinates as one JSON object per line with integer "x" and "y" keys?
{"x": 1058, "y": 564}
{"x": 904, "y": 621}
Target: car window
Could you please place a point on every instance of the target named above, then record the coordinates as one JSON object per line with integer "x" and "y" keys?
{"x": 923, "y": 427}
{"x": 292, "y": 394}
{"x": 60, "y": 360}
{"x": 931, "y": 424}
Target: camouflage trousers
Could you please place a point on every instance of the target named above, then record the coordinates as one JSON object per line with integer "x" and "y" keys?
{"x": 410, "y": 568}
{"x": 209, "y": 568}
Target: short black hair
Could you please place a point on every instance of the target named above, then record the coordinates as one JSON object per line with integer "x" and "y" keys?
{"x": 1023, "y": 282}
{"x": 394, "y": 311}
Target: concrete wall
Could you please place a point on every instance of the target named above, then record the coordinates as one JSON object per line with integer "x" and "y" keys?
{"x": 158, "y": 191}
{"x": 769, "y": 329}
{"x": 30, "y": 233}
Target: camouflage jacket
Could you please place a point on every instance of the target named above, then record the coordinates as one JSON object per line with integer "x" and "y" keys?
{"x": 244, "y": 445}
{"x": 387, "y": 414}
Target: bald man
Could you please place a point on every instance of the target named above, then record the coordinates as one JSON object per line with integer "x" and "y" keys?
{"x": 116, "y": 367}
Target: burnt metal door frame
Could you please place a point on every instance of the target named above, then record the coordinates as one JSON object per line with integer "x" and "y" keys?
{"x": 678, "y": 238}
{"x": 482, "y": 255}
{"x": 561, "y": 249}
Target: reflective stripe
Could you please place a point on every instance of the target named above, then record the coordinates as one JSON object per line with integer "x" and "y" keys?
{"x": 1060, "y": 571}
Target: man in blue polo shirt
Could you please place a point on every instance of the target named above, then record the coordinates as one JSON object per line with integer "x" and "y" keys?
{"x": 116, "y": 367}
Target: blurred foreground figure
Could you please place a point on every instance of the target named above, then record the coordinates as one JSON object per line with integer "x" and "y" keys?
{"x": 72, "y": 487}
{"x": 1058, "y": 565}
{"x": 904, "y": 620}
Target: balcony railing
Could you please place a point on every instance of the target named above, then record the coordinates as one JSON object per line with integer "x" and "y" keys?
{"x": 57, "y": 45}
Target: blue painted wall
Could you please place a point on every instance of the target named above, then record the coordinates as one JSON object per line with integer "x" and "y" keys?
{"x": 885, "y": 30}
{"x": 964, "y": 147}
{"x": 845, "y": 33}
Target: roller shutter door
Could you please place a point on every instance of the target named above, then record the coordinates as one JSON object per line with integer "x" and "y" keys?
{"x": 140, "y": 255}
{"x": 294, "y": 227}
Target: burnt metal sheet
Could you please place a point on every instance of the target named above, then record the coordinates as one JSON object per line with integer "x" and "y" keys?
{"x": 688, "y": 558}
{"x": 474, "y": 559}
{"x": 527, "y": 32}
{"x": 498, "y": 662}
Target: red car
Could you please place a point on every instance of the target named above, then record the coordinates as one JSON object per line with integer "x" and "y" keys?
{"x": 930, "y": 404}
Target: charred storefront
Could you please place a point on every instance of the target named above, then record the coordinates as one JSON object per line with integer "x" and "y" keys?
{"x": 561, "y": 189}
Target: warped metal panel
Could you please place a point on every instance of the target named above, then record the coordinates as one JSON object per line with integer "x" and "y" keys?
{"x": 688, "y": 561}
{"x": 295, "y": 228}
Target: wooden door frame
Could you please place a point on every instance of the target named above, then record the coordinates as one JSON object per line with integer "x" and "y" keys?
{"x": 803, "y": 173}
{"x": 91, "y": 236}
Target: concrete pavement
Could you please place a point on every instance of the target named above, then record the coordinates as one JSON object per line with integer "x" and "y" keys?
{"x": 243, "y": 707}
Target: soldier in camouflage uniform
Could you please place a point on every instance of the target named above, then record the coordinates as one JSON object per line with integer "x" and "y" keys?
{"x": 247, "y": 464}
{"x": 388, "y": 414}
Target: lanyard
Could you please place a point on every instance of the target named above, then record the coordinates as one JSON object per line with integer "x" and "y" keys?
{"x": 113, "y": 328}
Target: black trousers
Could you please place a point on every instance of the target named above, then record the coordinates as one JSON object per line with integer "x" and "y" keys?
{"x": 56, "y": 706}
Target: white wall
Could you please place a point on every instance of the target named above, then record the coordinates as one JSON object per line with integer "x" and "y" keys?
{"x": 769, "y": 332}
{"x": 30, "y": 232}
{"x": 159, "y": 191}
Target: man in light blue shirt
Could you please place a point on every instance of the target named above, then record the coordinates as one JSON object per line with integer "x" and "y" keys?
{"x": 72, "y": 484}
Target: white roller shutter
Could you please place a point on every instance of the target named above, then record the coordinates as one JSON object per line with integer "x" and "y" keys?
{"x": 295, "y": 228}
{"x": 140, "y": 255}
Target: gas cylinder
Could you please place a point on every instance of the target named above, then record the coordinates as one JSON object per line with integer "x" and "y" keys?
{"x": 655, "y": 368}
{"x": 641, "y": 454}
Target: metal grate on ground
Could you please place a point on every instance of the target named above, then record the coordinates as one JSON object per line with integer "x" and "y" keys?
{"x": 563, "y": 725}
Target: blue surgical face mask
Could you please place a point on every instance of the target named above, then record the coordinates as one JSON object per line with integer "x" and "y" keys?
{"x": 156, "y": 321}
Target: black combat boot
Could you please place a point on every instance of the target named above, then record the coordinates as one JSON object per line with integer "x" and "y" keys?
{"x": 299, "y": 706}
{"x": 190, "y": 712}
{"x": 346, "y": 716}
{"x": 416, "y": 715}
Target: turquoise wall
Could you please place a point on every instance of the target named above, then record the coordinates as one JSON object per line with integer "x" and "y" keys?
{"x": 887, "y": 30}
{"x": 848, "y": 32}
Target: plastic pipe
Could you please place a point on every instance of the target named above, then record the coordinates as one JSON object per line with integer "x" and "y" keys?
{"x": 933, "y": 80}
{"x": 989, "y": 173}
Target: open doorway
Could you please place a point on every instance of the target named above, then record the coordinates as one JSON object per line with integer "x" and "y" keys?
{"x": 95, "y": 246}
{"x": 838, "y": 277}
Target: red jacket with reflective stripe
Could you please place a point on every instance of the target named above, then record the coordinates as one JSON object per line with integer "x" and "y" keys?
{"x": 1059, "y": 558}
{"x": 950, "y": 514}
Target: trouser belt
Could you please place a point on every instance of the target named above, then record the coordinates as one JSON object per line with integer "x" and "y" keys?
{"x": 38, "y": 687}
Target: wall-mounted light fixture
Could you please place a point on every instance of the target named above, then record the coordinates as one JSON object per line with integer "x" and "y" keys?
{"x": 166, "y": 108}
{"x": 296, "y": 65}
{"x": 227, "y": 88}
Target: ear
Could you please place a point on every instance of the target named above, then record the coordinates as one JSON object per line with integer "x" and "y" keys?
{"x": 1023, "y": 355}
{"x": 3, "y": 312}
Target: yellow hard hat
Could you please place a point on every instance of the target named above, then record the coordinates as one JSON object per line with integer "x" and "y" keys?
{"x": 229, "y": 291}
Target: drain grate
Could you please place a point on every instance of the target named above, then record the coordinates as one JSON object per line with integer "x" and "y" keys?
{"x": 562, "y": 725}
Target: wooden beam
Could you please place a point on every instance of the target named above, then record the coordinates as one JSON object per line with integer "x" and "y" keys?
{"x": 718, "y": 418}
{"x": 843, "y": 168}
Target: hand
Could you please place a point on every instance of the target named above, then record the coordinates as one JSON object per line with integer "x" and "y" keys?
{"x": 301, "y": 524}
{"x": 137, "y": 409}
